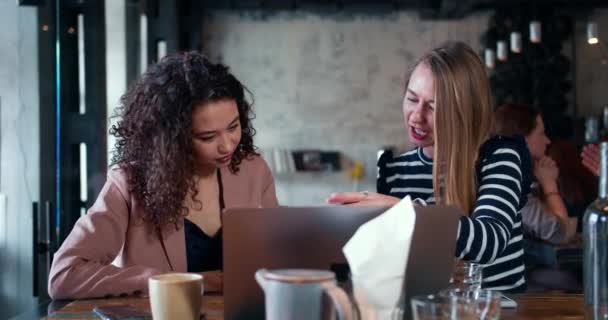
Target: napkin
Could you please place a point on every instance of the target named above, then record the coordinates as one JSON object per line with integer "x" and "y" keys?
{"x": 377, "y": 255}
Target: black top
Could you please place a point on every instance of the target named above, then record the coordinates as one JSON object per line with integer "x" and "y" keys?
{"x": 204, "y": 253}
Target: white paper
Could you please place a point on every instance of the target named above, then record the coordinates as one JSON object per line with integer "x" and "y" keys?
{"x": 377, "y": 255}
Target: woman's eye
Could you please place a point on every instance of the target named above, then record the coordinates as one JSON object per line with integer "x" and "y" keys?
{"x": 414, "y": 100}
{"x": 206, "y": 139}
{"x": 233, "y": 127}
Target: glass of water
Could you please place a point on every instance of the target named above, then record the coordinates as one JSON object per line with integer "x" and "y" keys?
{"x": 442, "y": 307}
{"x": 466, "y": 276}
{"x": 482, "y": 304}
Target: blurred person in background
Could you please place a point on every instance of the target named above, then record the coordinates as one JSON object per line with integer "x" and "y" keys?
{"x": 561, "y": 190}
{"x": 545, "y": 215}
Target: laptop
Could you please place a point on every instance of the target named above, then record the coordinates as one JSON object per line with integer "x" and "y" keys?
{"x": 313, "y": 237}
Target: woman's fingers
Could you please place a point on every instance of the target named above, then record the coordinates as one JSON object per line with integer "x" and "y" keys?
{"x": 362, "y": 199}
{"x": 591, "y": 166}
{"x": 346, "y": 197}
{"x": 546, "y": 161}
{"x": 376, "y": 200}
{"x": 214, "y": 281}
{"x": 591, "y": 159}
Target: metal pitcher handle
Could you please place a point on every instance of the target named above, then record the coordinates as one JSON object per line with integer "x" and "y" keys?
{"x": 340, "y": 300}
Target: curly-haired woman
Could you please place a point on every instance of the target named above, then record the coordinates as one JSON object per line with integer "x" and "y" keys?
{"x": 184, "y": 152}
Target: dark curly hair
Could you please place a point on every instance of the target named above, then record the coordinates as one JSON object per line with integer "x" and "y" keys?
{"x": 154, "y": 133}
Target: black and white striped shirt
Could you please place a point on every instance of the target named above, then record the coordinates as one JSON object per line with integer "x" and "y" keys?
{"x": 492, "y": 235}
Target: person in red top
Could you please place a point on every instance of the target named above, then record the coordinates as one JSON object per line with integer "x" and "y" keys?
{"x": 184, "y": 152}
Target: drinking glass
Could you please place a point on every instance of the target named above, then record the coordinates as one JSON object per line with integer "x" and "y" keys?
{"x": 466, "y": 276}
{"x": 440, "y": 307}
{"x": 484, "y": 304}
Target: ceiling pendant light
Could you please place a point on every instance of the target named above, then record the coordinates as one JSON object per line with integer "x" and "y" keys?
{"x": 489, "y": 58}
{"x": 515, "y": 42}
{"x": 535, "y": 31}
{"x": 501, "y": 50}
{"x": 592, "y": 34}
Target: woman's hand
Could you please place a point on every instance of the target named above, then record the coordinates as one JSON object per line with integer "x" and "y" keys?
{"x": 546, "y": 172}
{"x": 362, "y": 199}
{"x": 213, "y": 281}
{"x": 591, "y": 158}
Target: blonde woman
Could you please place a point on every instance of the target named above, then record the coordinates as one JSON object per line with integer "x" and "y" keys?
{"x": 448, "y": 113}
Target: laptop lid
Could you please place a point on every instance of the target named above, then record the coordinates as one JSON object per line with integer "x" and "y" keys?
{"x": 313, "y": 237}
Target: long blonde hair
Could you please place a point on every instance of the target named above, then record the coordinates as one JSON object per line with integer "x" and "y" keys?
{"x": 462, "y": 121}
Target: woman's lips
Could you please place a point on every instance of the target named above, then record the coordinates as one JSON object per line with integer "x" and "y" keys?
{"x": 225, "y": 159}
{"x": 416, "y": 135}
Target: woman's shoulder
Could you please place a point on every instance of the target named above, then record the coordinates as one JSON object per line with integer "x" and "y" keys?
{"x": 507, "y": 156}
{"x": 500, "y": 149}
{"x": 253, "y": 164}
{"x": 388, "y": 158}
{"x": 117, "y": 174}
{"x": 118, "y": 177}
{"x": 505, "y": 145}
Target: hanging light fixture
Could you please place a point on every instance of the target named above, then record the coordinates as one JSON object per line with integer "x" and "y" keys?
{"x": 535, "y": 31}
{"x": 515, "y": 42}
{"x": 161, "y": 49}
{"x": 592, "y": 34}
{"x": 489, "y": 58}
{"x": 501, "y": 50}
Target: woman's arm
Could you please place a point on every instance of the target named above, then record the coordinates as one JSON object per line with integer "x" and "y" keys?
{"x": 381, "y": 186}
{"x": 82, "y": 267}
{"x": 485, "y": 234}
{"x": 540, "y": 223}
{"x": 547, "y": 219}
{"x": 269, "y": 193}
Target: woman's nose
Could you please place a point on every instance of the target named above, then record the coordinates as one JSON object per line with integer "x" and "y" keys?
{"x": 225, "y": 145}
{"x": 417, "y": 113}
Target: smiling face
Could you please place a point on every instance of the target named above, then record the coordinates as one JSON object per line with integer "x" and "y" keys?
{"x": 216, "y": 133}
{"x": 418, "y": 108}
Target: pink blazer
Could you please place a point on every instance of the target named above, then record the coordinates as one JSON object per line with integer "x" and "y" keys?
{"x": 111, "y": 252}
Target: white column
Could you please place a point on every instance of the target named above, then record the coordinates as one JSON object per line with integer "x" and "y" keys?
{"x": 116, "y": 60}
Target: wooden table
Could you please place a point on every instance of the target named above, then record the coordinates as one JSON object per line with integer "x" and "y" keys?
{"x": 83, "y": 309}
{"x": 546, "y": 306}
{"x": 530, "y": 306}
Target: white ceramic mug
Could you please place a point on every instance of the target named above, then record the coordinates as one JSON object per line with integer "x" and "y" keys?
{"x": 298, "y": 294}
{"x": 176, "y": 296}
